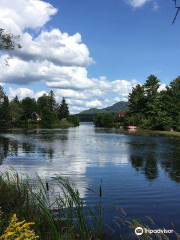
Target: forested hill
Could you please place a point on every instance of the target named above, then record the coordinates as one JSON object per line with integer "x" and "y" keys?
{"x": 117, "y": 107}
{"x": 88, "y": 115}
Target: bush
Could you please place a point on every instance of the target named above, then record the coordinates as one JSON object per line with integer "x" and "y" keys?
{"x": 48, "y": 118}
{"x": 104, "y": 120}
{"x": 73, "y": 119}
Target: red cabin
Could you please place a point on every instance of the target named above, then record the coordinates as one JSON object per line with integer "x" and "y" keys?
{"x": 122, "y": 114}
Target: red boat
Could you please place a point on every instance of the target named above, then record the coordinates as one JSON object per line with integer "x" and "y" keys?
{"x": 132, "y": 127}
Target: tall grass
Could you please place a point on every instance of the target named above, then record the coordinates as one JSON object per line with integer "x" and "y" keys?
{"x": 58, "y": 214}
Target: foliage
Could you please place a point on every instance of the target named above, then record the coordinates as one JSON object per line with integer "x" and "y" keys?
{"x": 73, "y": 119}
{"x": 8, "y": 41}
{"x": 63, "y": 110}
{"x": 64, "y": 123}
{"x": 48, "y": 118}
{"x": 52, "y": 101}
{"x": 45, "y": 110}
{"x": 4, "y": 107}
{"x": 16, "y": 111}
{"x": 103, "y": 120}
{"x": 154, "y": 109}
{"x": 29, "y": 106}
{"x": 18, "y": 230}
{"x": 42, "y": 102}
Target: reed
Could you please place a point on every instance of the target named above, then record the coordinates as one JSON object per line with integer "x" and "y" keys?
{"x": 56, "y": 208}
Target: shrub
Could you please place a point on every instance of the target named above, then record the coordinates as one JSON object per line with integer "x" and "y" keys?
{"x": 73, "y": 119}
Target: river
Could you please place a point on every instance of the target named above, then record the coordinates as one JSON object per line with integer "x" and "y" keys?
{"x": 139, "y": 174}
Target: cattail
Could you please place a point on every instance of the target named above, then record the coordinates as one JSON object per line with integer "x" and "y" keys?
{"x": 47, "y": 186}
{"x": 100, "y": 190}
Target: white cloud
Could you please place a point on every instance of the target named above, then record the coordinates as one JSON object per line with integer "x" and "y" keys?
{"x": 18, "y": 15}
{"x": 54, "y": 58}
{"x": 21, "y": 93}
{"x": 116, "y": 99}
{"x": 137, "y": 3}
{"x": 162, "y": 87}
{"x": 24, "y": 92}
{"x": 94, "y": 104}
{"x": 63, "y": 50}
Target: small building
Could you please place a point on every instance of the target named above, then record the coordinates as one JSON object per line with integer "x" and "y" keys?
{"x": 122, "y": 114}
{"x": 35, "y": 117}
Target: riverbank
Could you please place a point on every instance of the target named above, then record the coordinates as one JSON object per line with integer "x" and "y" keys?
{"x": 139, "y": 132}
{"x": 156, "y": 133}
{"x": 64, "y": 123}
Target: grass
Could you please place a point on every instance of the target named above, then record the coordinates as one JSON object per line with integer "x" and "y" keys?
{"x": 143, "y": 132}
{"x": 58, "y": 215}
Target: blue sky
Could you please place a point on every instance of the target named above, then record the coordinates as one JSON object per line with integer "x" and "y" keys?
{"x": 128, "y": 41}
{"x": 125, "y": 42}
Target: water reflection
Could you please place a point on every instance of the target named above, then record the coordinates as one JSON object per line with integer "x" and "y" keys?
{"x": 140, "y": 174}
{"x": 147, "y": 165}
{"x": 70, "y": 153}
{"x": 4, "y": 149}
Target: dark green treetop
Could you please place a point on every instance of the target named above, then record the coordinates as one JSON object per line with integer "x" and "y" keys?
{"x": 63, "y": 110}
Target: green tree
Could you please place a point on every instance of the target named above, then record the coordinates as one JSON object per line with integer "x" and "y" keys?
{"x": 104, "y": 120}
{"x": 16, "y": 99}
{"x": 136, "y": 110}
{"x": 108, "y": 120}
{"x": 144, "y": 104}
{"x": 63, "y": 110}
{"x": 43, "y": 102}
{"x": 4, "y": 106}
{"x": 73, "y": 119}
{"x": 151, "y": 87}
{"x": 171, "y": 102}
{"x": 137, "y": 100}
{"x": 16, "y": 111}
{"x": 29, "y": 106}
{"x": 48, "y": 118}
{"x": 52, "y": 101}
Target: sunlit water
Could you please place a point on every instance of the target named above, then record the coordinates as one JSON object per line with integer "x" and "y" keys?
{"x": 140, "y": 174}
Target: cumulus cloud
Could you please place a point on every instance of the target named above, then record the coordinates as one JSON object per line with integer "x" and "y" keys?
{"x": 24, "y": 92}
{"x": 57, "y": 59}
{"x": 63, "y": 50}
{"x": 18, "y": 15}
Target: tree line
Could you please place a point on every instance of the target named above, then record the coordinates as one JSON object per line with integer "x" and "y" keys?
{"x": 45, "y": 110}
{"x": 149, "y": 107}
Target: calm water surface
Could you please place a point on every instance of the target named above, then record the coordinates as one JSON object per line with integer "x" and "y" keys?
{"x": 140, "y": 174}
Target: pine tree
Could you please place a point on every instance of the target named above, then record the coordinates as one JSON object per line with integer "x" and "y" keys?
{"x": 43, "y": 102}
{"x": 16, "y": 100}
{"x": 52, "y": 101}
{"x": 4, "y": 106}
{"x": 1, "y": 96}
{"x": 63, "y": 111}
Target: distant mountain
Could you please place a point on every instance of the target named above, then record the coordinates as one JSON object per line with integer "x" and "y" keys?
{"x": 117, "y": 107}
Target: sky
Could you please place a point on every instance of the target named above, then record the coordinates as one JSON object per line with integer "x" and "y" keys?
{"x": 91, "y": 52}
